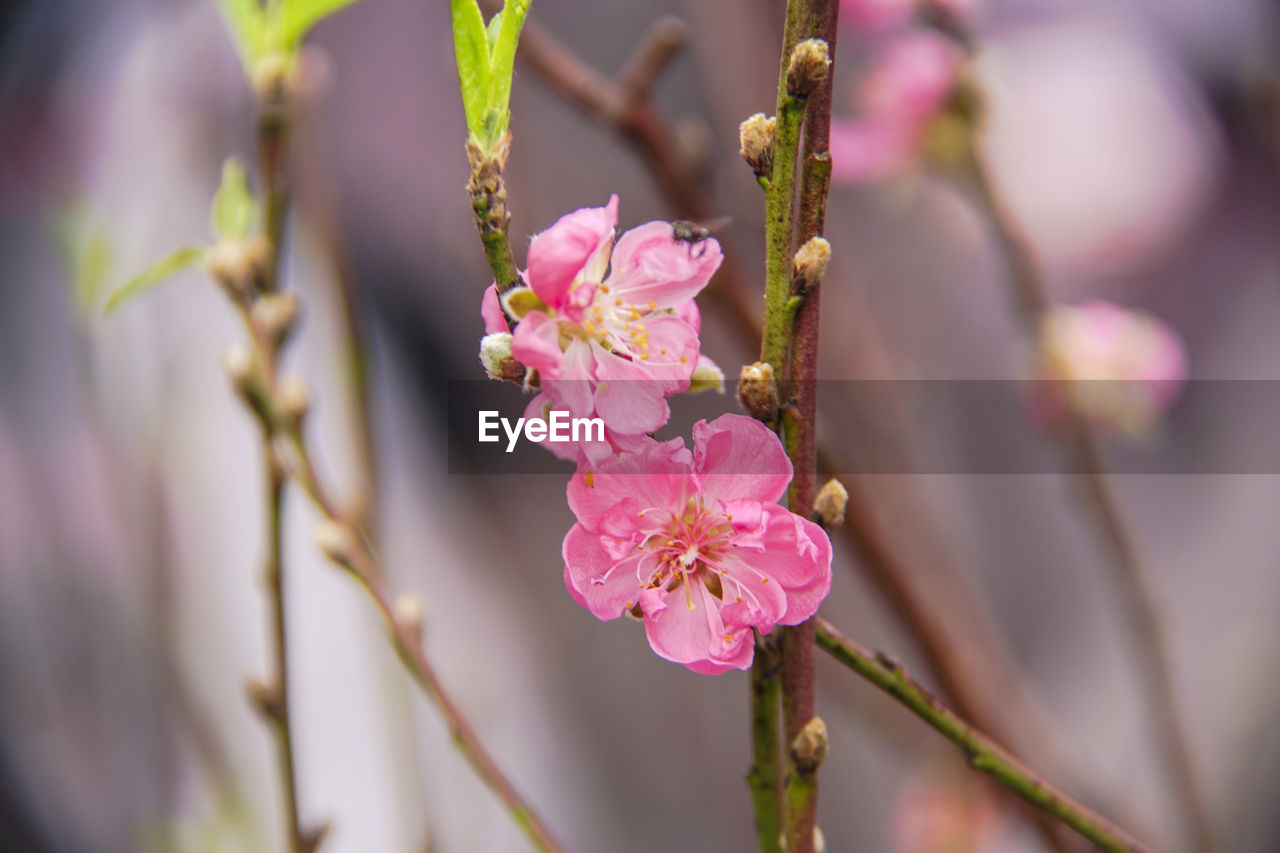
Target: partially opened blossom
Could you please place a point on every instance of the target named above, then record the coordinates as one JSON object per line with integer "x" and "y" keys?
{"x": 611, "y": 331}
{"x": 695, "y": 544}
{"x": 1117, "y": 367}
{"x": 909, "y": 84}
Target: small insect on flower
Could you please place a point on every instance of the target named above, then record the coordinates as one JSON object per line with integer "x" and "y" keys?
{"x": 693, "y": 233}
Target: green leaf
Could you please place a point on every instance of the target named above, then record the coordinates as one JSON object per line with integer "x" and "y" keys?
{"x": 234, "y": 212}
{"x": 250, "y": 28}
{"x": 297, "y": 17}
{"x": 491, "y": 33}
{"x": 502, "y": 62}
{"x": 471, "y": 47}
{"x": 174, "y": 262}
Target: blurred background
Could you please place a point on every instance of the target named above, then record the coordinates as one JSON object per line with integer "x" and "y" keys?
{"x": 1136, "y": 143}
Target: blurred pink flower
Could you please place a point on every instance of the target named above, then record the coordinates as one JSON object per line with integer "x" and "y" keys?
{"x": 696, "y": 544}
{"x": 944, "y": 817}
{"x": 1140, "y": 362}
{"x": 907, "y": 86}
{"x": 616, "y": 345}
{"x": 874, "y": 16}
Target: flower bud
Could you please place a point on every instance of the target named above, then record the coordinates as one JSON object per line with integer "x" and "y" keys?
{"x": 408, "y": 614}
{"x": 231, "y": 267}
{"x": 265, "y": 698}
{"x": 706, "y": 377}
{"x": 274, "y": 317}
{"x": 237, "y": 361}
{"x": 270, "y": 78}
{"x": 757, "y": 392}
{"x": 293, "y": 401}
{"x": 810, "y": 746}
{"x": 338, "y": 543}
{"x": 755, "y": 141}
{"x": 811, "y": 264}
{"x": 495, "y": 356}
{"x": 807, "y": 68}
{"x": 828, "y": 506}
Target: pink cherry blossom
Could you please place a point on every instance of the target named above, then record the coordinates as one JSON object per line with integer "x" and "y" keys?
{"x": 696, "y": 544}
{"x": 1117, "y": 367}
{"x": 907, "y": 86}
{"x": 611, "y": 331}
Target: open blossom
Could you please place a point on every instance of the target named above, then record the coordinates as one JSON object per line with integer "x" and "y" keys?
{"x": 611, "y": 330}
{"x": 1134, "y": 364}
{"x": 696, "y": 544}
{"x": 908, "y": 85}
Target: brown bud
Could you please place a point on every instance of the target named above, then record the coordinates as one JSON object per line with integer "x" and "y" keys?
{"x": 338, "y": 543}
{"x": 264, "y": 697}
{"x": 485, "y": 186}
{"x": 810, "y": 746}
{"x": 231, "y": 267}
{"x": 757, "y": 392}
{"x": 828, "y": 506}
{"x": 408, "y": 613}
{"x": 807, "y": 68}
{"x": 274, "y": 317}
{"x": 293, "y": 401}
{"x": 755, "y": 141}
{"x": 810, "y": 264}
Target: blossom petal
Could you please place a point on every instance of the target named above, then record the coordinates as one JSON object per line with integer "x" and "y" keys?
{"x": 578, "y": 242}
{"x": 688, "y": 627}
{"x": 536, "y": 343}
{"x": 605, "y": 586}
{"x": 651, "y": 266}
{"x": 738, "y": 457}
{"x": 795, "y": 554}
{"x": 657, "y": 476}
{"x": 491, "y": 311}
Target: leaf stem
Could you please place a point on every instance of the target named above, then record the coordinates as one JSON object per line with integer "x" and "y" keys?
{"x": 983, "y": 754}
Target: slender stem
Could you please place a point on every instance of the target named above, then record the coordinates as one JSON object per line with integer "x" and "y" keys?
{"x": 982, "y": 753}
{"x": 1129, "y": 578}
{"x": 273, "y": 145}
{"x": 764, "y": 779}
{"x": 272, "y": 160}
{"x": 279, "y": 682}
{"x": 364, "y": 566}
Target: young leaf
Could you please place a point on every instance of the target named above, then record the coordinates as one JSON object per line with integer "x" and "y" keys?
{"x": 471, "y": 46}
{"x": 250, "y": 28}
{"x": 491, "y": 33}
{"x": 154, "y": 274}
{"x": 297, "y": 17}
{"x": 234, "y": 211}
{"x": 503, "y": 60}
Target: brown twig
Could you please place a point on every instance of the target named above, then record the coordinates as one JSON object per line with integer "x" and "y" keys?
{"x": 348, "y": 548}
{"x": 1029, "y": 296}
{"x": 273, "y": 699}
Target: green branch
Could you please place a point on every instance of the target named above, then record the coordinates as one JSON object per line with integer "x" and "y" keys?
{"x": 983, "y": 754}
